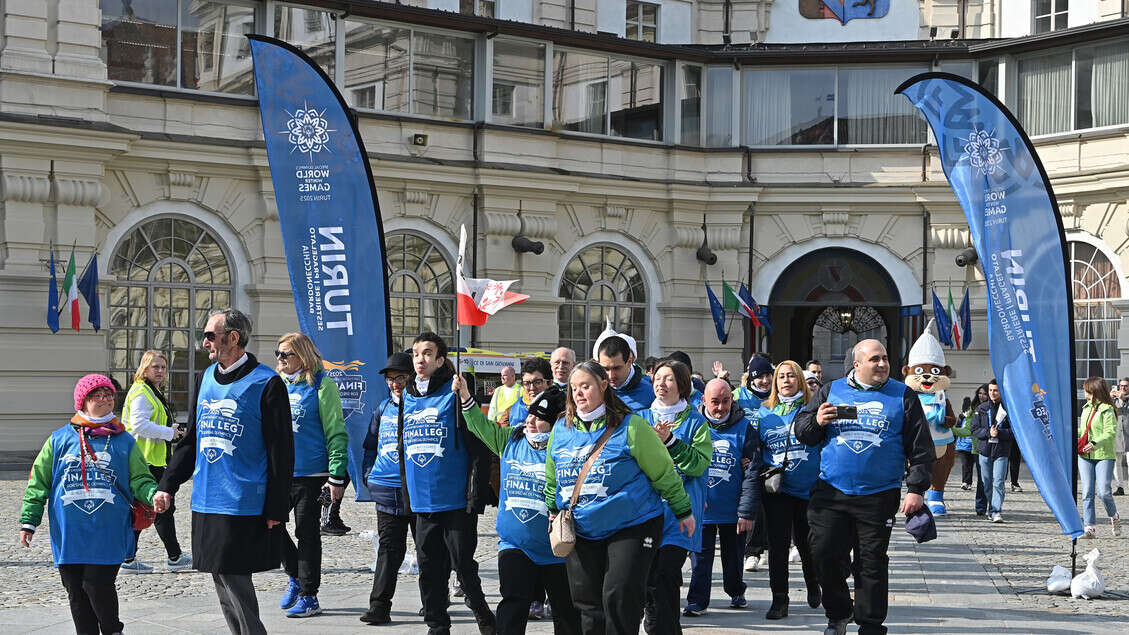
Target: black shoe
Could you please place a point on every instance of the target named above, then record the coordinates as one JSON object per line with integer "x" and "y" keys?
{"x": 779, "y": 608}
{"x": 330, "y": 529}
{"x": 815, "y": 597}
{"x": 377, "y": 617}
{"x": 458, "y": 590}
{"x": 487, "y": 625}
{"x": 1016, "y": 488}
{"x": 1120, "y": 491}
{"x": 837, "y": 627}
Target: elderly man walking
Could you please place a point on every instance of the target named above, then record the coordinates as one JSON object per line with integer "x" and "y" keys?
{"x": 868, "y": 426}
{"x": 239, "y": 453}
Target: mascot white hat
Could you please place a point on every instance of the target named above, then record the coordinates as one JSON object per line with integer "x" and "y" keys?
{"x": 610, "y": 332}
{"x": 927, "y": 349}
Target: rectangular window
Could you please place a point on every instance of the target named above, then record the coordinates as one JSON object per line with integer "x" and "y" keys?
{"x": 215, "y": 54}
{"x": 870, "y": 112}
{"x": 580, "y": 92}
{"x": 484, "y": 8}
{"x": 1044, "y": 94}
{"x": 1101, "y": 85}
{"x": 789, "y": 107}
{"x": 988, "y": 75}
{"x": 642, "y": 21}
{"x": 690, "y": 93}
{"x": 1050, "y": 15}
{"x": 442, "y": 75}
{"x": 636, "y": 93}
{"x": 518, "y": 97}
{"x": 719, "y": 101}
{"x": 139, "y": 41}
{"x": 376, "y": 66}
{"x": 312, "y": 31}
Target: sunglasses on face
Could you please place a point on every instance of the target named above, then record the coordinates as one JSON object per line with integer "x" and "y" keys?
{"x": 284, "y": 356}
{"x": 210, "y": 336}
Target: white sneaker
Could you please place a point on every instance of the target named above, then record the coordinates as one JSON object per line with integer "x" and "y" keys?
{"x": 183, "y": 563}
{"x": 794, "y": 555}
{"x": 1090, "y": 532}
{"x": 764, "y": 560}
{"x": 997, "y": 517}
{"x": 752, "y": 563}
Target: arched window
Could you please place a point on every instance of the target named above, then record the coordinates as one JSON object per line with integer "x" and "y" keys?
{"x": 1095, "y": 318}
{"x": 421, "y": 289}
{"x": 169, "y": 273}
{"x": 598, "y": 284}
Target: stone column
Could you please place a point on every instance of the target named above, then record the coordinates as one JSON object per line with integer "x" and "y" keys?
{"x": 1122, "y": 305}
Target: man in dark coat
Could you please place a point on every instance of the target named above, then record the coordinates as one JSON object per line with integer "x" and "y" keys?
{"x": 240, "y": 445}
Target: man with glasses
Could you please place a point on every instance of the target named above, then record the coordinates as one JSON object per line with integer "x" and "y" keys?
{"x": 535, "y": 378}
{"x": 562, "y": 360}
{"x": 239, "y": 452}
{"x": 1121, "y": 460}
{"x": 505, "y": 395}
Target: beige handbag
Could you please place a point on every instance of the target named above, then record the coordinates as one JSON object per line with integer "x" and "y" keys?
{"x": 562, "y": 529}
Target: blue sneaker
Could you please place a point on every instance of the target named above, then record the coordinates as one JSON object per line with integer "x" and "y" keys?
{"x": 307, "y": 606}
{"x": 738, "y": 602}
{"x": 290, "y": 596}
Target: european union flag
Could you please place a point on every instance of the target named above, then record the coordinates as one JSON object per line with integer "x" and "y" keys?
{"x": 718, "y": 315}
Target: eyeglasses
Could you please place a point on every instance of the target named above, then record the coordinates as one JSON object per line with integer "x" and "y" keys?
{"x": 281, "y": 355}
{"x": 532, "y": 384}
{"x": 102, "y": 394}
{"x": 560, "y": 362}
{"x": 398, "y": 379}
{"x": 210, "y": 336}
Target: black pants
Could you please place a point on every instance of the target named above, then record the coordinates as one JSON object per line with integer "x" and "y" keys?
{"x": 831, "y": 516}
{"x": 441, "y": 535}
{"x": 787, "y": 522}
{"x": 732, "y": 573}
{"x": 664, "y": 592}
{"x": 238, "y": 603}
{"x": 393, "y": 537}
{"x": 93, "y": 597}
{"x": 520, "y": 581}
{"x": 608, "y": 578}
{"x": 1013, "y": 463}
{"x": 303, "y": 562}
{"x": 163, "y": 523}
{"x": 967, "y": 460}
{"x": 756, "y": 541}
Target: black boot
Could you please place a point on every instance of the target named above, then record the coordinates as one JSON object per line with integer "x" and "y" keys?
{"x": 815, "y": 595}
{"x": 779, "y": 608}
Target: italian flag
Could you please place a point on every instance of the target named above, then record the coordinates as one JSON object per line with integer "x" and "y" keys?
{"x": 70, "y": 288}
{"x": 955, "y": 320}
{"x": 479, "y": 298}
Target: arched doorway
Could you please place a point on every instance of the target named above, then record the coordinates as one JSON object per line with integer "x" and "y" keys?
{"x": 826, "y": 301}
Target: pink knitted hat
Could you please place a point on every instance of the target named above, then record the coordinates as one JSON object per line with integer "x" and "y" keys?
{"x": 89, "y": 384}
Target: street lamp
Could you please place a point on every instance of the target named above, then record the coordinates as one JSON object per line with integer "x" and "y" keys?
{"x": 846, "y": 316}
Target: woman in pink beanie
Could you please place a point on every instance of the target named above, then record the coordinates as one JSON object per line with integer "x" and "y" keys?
{"x": 87, "y": 476}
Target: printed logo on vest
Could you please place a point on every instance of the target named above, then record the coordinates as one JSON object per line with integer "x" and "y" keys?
{"x": 525, "y": 490}
{"x": 351, "y": 385}
{"x": 722, "y": 463}
{"x": 574, "y": 459}
{"x": 296, "y": 410}
{"x": 217, "y": 428}
{"x": 100, "y": 480}
{"x": 423, "y": 436}
{"x": 779, "y": 442}
{"x": 859, "y": 435}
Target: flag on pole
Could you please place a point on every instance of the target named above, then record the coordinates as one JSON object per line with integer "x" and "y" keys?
{"x": 479, "y": 298}
{"x": 718, "y": 315}
{"x": 965, "y": 322}
{"x": 729, "y": 297}
{"x": 88, "y": 286}
{"x": 944, "y": 323}
{"x": 762, "y": 317}
{"x": 70, "y": 288}
{"x": 53, "y": 298}
{"x": 954, "y": 316}
{"x": 748, "y": 306}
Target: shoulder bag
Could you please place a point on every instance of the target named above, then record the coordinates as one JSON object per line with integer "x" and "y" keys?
{"x": 773, "y": 477}
{"x": 1084, "y": 440}
{"x": 562, "y": 529}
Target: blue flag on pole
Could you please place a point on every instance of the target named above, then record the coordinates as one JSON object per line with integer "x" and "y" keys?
{"x": 53, "y": 298}
{"x": 718, "y": 315}
{"x": 331, "y": 230}
{"x": 1017, "y": 231}
{"x": 944, "y": 323}
{"x": 965, "y": 322}
{"x": 88, "y": 287}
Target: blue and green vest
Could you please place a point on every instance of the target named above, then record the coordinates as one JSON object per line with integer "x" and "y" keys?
{"x": 750, "y": 403}
{"x": 725, "y": 474}
{"x": 641, "y": 395}
{"x": 435, "y": 458}
{"x": 386, "y": 468}
{"x": 779, "y": 441}
{"x": 310, "y": 454}
{"x": 865, "y": 455}
{"x": 523, "y": 516}
{"x": 695, "y": 486}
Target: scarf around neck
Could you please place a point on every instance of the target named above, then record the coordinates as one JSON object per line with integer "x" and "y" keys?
{"x": 589, "y": 417}
{"x": 667, "y": 413}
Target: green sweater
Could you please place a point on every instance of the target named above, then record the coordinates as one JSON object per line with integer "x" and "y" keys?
{"x": 332, "y": 425}
{"x": 1103, "y": 431}
{"x": 493, "y": 435}
{"x": 652, "y": 456}
{"x": 39, "y": 482}
{"x": 692, "y": 458}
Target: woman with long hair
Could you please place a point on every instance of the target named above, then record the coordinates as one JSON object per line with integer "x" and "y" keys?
{"x": 1095, "y": 459}
{"x": 148, "y": 416}
{"x": 618, "y": 513}
{"x": 786, "y": 510}
{"x": 320, "y": 447}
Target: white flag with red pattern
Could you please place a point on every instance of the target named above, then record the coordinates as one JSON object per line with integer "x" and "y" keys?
{"x": 479, "y": 298}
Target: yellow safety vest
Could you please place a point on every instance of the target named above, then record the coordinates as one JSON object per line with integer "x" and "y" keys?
{"x": 153, "y": 451}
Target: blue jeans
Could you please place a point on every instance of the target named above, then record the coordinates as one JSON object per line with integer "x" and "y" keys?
{"x": 994, "y": 473}
{"x": 1095, "y": 475}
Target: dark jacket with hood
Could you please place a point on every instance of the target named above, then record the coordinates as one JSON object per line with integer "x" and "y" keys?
{"x": 750, "y": 500}
{"x": 982, "y": 430}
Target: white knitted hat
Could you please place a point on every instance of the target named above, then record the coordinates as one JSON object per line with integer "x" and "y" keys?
{"x": 927, "y": 349}
{"x": 610, "y": 332}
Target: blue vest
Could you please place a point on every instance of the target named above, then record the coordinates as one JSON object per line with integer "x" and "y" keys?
{"x": 641, "y": 396}
{"x": 518, "y": 412}
{"x": 725, "y": 474}
{"x": 310, "y": 454}
{"x": 616, "y": 494}
{"x": 523, "y": 516}
{"x": 386, "y": 469}
{"x": 436, "y": 460}
{"x": 779, "y": 440}
{"x": 695, "y": 399}
{"x": 865, "y": 455}
{"x": 695, "y": 486}
{"x": 231, "y": 459}
{"x": 934, "y": 407}
{"x": 751, "y": 404}
{"x": 90, "y": 526}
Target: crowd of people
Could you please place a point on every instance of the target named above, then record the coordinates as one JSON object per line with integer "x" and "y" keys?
{"x": 649, "y": 463}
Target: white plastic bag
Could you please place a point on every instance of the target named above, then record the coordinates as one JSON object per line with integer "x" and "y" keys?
{"x": 1089, "y": 584}
{"x": 1059, "y": 582}
{"x": 369, "y": 534}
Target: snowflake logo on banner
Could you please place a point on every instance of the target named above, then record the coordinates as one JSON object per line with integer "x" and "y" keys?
{"x": 983, "y": 152}
{"x": 308, "y": 130}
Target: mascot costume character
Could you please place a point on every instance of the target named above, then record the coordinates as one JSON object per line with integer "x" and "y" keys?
{"x": 930, "y": 377}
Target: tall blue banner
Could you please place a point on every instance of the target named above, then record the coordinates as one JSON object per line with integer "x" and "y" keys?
{"x": 1017, "y": 231}
{"x": 331, "y": 229}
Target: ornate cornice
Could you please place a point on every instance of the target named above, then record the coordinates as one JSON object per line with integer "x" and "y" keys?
{"x": 25, "y": 188}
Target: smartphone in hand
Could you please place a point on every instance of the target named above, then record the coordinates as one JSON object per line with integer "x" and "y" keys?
{"x": 846, "y": 412}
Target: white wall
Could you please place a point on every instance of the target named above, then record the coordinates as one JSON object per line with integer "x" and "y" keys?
{"x": 786, "y": 25}
{"x": 1016, "y": 20}
{"x": 1082, "y": 13}
{"x": 444, "y": 5}
{"x": 611, "y": 16}
{"x": 516, "y": 10}
{"x": 675, "y": 22}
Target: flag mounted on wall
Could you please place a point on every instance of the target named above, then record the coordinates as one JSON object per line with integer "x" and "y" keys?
{"x": 88, "y": 287}
{"x": 944, "y": 323}
{"x": 957, "y": 326}
{"x": 965, "y": 322}
{"x": 718, "y": 315}
{"x": 53, "y": 298}
{"x": 70, "y": 289}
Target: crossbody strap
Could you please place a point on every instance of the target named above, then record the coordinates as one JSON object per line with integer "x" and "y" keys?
{"x": 596, "y": 449}
{"x": 1093, "y": 411}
